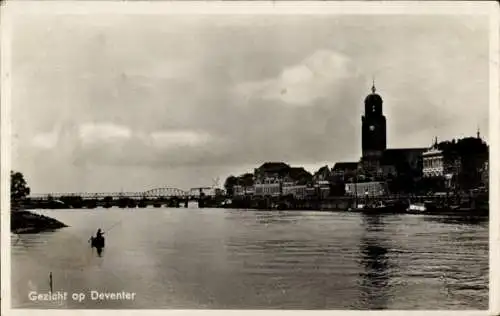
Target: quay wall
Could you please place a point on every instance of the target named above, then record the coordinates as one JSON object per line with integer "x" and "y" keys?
{"x": 397, "y": 203}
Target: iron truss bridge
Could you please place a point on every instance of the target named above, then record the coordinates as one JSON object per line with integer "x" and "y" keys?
{"x": 153, "y": 193}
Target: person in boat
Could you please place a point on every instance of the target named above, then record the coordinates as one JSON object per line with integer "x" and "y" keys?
{"x": 98, "y": 240}
{"x": 99, "y": 234}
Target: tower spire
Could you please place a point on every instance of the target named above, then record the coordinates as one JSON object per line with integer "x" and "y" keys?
{"x": 478, "y": 133}
{"x": 373, "y": 85}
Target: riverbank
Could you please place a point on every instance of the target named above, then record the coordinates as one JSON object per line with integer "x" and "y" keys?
{"x": 477, "y": 213}
{"x": 456, "y": 205}
{"x": 25, "y": 222}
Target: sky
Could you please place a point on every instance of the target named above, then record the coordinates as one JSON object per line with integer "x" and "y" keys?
{"x": 104, "y": 103}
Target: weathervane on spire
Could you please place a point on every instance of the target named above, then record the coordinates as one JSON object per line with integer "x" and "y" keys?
{"x": 373, "y": 85}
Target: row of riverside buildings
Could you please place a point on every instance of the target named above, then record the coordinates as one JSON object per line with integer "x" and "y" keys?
{"x": 378, "y": 172}
{"x": 280, "y": 179}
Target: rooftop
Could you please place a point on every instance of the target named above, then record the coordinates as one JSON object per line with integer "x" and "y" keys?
{"x": 407, "y": 150}
{"x": 432, "y": 151}
{"x": 273, "y": 167}
{"x": 345, "y": 165}
{"x": 400, "y": 156}
{"x": 298, "y": 173}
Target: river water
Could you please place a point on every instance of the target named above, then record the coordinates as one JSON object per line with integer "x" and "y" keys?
{"x": 235, "y": 259}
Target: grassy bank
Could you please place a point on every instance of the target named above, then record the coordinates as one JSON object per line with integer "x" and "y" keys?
{"x": 25, "y": 222}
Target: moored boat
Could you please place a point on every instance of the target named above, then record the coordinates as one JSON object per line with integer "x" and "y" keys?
{"x": 376, "y": 208}
{"x": 416, "y": 208}
{"x": 356, "y": 208}
{"x": 373, "y": 208}
{"x": 97, "y": 242}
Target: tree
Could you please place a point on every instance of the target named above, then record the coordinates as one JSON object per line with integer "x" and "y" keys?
{"x": 231, "y": 181}
{"x": 246, "y": 179}
{"x": 19, "y": 189}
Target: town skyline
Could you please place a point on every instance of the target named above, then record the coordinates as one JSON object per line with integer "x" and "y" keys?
{"x": 147, "y": 110}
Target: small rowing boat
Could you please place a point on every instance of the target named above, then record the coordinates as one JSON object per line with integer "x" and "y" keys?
{"x": 97, "y": 242}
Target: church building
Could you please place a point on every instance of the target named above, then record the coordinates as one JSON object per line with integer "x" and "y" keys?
{"x": 379, "y": 163}
{"x": 377, "y": 160}
{"x": 373, "y": 133}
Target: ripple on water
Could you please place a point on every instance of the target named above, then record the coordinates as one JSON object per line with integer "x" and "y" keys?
{"x": 236, "y": 259}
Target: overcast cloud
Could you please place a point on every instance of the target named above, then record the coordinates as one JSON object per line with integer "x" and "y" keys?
{"x": 104, "y": 103}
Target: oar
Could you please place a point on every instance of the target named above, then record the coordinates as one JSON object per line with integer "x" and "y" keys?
{"x": 113, "y": 226}
{"x": 107, "y": 230}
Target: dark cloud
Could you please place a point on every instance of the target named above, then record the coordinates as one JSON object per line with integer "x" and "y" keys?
{"x": 283, "y": 88}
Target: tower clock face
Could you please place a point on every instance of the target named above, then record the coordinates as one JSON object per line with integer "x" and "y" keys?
{"x": 372, "y": 128}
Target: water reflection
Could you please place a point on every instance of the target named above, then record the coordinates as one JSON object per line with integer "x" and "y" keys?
{"x": 264, "y": 217}
{"x": 372, "y": 222}
{"x": 374, "y": 280}
{"x": 232, "y": 259}
{"x": 458, "y": 220}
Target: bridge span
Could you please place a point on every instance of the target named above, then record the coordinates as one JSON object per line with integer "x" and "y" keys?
{"x": 158, "y": 197}
{"x": 163, "y": 193}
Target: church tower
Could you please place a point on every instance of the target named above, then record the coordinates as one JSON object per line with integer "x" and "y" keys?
{"x": 373, "y": 130}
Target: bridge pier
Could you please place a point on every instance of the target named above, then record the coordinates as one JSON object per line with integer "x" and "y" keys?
{"x": 159, "y": 197}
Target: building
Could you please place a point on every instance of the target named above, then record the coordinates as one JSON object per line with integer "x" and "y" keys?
{"x": 485, "y": 174}
{"x": 452, "y": 170}
{"x": 433, "y": 162}
{"x": 343, "y": 171}
{"x": 268, "y": 178}
{"x": 298, "y": 175}
{"x": 323, "y": 174}
{"x": 366, "y": 189}
{"x": 373, "y": 133}
{"x": 268, "y": 187}
{"x": 207, "y": 191}
{"x": 377, "y": 161}
{"x": 272, "y": 170}
{"x": 278, "y": 178}
{"x": 402, "y": 161}
{"x": 238, "y": 190}
{"x": 243, "y": 190}
{"x": 459, "y": 170}
{"x": 322, "y": 188}
{"x": 295, "y": 190}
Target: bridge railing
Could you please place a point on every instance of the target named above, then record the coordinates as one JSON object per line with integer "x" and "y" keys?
{"x": 155, "y": 193}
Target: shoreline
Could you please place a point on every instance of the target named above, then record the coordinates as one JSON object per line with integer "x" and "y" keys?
{"x": 27, "y": 222}
{"x": 275, "y": 208}
{"x": 477, "y": 214}
{"x": 457, "y": 206}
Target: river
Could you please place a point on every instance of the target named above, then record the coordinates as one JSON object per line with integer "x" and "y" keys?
{"x": 189, "y": 258}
